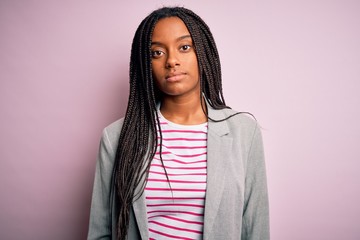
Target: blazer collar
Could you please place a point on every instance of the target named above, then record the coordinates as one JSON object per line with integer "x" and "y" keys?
{"x": 218, "y": 148}
{"x": 219, "y": 128}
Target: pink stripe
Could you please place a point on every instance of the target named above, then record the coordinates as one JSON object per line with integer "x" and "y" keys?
{"x": 181, "y": 220}
{"x": 190, "y": 213}
{"x": 179, "y": 174}
{"x": 176, "y": 228}
{"x": 185, "y": 139}
{"x": 175, "y": 198}
{"x": 176, "y": 189}
{"x": 175, "y": 181}
{"x": 190, "y": 168}
{"x": 163, "y": 153}
{"x": 175, "y": 204}
{"x": 178, "y": 161}
{"x": 168, "y": 235}
{"x": 182, "y": 131}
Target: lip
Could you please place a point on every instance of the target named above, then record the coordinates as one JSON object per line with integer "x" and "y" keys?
{"x": 173, "y": 77}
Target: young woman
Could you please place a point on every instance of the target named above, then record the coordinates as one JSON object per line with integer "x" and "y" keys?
{"x": 181, "y": 164}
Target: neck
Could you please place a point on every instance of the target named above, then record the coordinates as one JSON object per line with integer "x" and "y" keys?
{"x": 185, "y": 111}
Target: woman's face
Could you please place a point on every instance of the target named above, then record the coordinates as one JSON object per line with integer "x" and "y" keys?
{"x": 174, "y": 62}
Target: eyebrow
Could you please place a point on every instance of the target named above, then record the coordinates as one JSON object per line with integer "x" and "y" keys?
{"x": 178, "y": 39}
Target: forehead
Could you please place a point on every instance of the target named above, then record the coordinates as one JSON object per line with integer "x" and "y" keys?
{"x": 169, "y": 28}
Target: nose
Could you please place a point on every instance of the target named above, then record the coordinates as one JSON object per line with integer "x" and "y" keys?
{"x": 172, "y": 60}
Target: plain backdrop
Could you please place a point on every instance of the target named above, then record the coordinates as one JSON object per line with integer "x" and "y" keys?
{"x": 64, "y": 77}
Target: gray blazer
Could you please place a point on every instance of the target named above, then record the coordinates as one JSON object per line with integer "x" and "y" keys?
{"x": 236, "y": 203}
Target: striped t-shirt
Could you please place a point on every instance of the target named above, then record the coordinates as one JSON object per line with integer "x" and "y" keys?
{"x": 177, "y": 213}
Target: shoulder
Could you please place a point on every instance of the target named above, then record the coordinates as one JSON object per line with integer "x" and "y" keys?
{"x": 115, "y": 127}
{"x": 245, "y": 118}
{"x": 238, "y": 122}
{"x": 111, "y": 133}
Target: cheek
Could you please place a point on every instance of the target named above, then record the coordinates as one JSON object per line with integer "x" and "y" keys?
{"x": 155, "y": 79}
{"x": 194, "y": 65}
{"x": 156, "y": 73}
{"x": 195, "y": 69}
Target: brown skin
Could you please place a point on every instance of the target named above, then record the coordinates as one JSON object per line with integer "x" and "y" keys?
{"x": 176, "y": 72}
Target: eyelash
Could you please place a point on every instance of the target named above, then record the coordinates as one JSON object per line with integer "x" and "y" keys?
{"x": 188, "y": 47}
{"x": 159, "y": 53}
{"x": 156, "y": 53}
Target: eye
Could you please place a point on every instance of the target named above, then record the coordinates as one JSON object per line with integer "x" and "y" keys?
{"x": 185, "y": 48}
{"x": 156, "y": 53}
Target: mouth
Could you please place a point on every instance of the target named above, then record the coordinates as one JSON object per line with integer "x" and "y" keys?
{"x": 173, "y": 77}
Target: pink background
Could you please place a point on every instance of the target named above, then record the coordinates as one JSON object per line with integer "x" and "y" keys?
{"x": 64, "y": 76}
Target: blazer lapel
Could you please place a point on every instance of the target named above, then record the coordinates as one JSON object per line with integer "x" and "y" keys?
{"x": 218, "y": 150}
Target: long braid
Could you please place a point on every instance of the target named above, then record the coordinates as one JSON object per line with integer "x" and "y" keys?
{"x": 138, "y": 137}
{"x": 135, "y": 134}
{"x": 208, "y": 58}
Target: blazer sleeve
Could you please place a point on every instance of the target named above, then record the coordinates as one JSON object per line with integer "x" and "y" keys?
{"x": 100, "y": 217}
{"x": 255, "y": 224}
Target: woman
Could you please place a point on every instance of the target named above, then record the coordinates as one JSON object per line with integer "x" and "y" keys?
{"x": 181, "y": 164}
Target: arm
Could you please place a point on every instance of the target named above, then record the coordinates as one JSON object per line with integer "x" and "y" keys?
{"x": 100, "y": 218}
{"x": 256, "y": 209}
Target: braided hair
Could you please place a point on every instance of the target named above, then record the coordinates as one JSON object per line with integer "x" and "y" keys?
{"x": 138, "y": 137}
